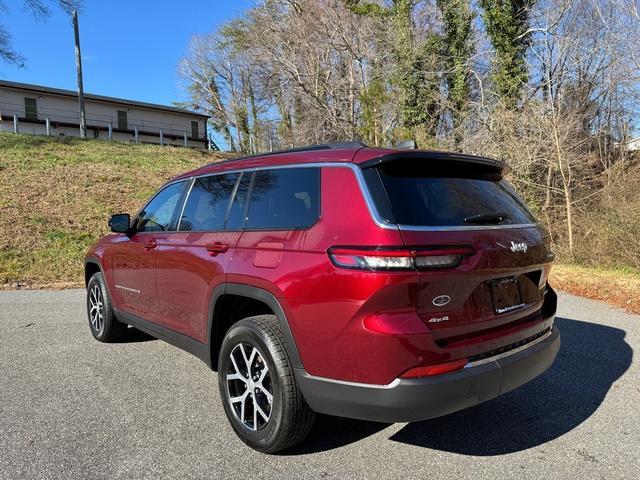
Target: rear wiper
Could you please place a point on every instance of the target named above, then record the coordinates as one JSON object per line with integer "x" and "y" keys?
{"x": 496, "y": 217}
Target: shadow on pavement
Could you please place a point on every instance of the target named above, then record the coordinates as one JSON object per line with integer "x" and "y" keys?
{"x": 134, "y": 335}
{"x": 592, "y": 357}
{"x": 334, "y": 432}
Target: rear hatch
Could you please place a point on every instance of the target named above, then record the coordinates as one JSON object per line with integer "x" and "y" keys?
{"x": 493, "y": 294}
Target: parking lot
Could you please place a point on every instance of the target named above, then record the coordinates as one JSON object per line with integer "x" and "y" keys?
{"x": 71, "y": 407}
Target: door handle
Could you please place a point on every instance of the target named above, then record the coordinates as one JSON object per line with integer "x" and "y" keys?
{"x": 216, "y": 247}
{"x": 150, "y": 245}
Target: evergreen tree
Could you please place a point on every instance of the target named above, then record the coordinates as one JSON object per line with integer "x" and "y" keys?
{"x": 507, "y": 25}
{"x": 457, "y": 20}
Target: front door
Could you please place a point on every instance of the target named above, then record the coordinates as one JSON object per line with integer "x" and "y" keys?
{"x": 134, "y": 257}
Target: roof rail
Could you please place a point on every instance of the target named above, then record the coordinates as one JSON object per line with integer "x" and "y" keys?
{"x": 308, "y": 148}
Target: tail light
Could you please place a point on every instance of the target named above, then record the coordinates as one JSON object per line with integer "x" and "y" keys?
{"x": 381, "y": 258}
{"x": 438, "y": 369}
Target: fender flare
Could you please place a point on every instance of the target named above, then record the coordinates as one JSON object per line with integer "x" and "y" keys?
{"x": 92, "y": 259}
{"x": 263, "y": 296}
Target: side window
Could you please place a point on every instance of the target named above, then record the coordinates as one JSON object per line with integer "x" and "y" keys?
{"x": 284, "y": 199}
{"x": 235, "y": 221}
{"x": 158, "y": 213}
{"x": 195, "y": 133}
{"x": 206, "y": 207}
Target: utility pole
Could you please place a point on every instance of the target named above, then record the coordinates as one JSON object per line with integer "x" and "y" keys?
{"x": 83, "y": 118}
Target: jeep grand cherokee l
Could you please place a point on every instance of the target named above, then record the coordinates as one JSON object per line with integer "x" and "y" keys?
{"x": 376, "y": 284}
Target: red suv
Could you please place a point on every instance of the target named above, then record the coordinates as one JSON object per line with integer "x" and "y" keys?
{"x": 387, "y": 285}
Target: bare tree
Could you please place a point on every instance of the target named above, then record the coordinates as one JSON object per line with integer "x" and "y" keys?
{"x": 310, "y": 71}
{"x": 39, "y": 9}
{"x": 580, "y": 103}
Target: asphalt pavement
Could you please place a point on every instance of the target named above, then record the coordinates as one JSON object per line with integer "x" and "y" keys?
{"x": 73, "y": 408}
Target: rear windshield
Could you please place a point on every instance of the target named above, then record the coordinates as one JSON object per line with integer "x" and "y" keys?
{"x": 444, "y": 193}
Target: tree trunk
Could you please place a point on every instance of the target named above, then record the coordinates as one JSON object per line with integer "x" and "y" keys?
{"x": 566, "y": 180}
{"x": 567, "y": 200}
{"x": 254, "y": 118}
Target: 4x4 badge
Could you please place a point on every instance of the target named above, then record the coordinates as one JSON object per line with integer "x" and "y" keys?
{"x": 441, "y": 301}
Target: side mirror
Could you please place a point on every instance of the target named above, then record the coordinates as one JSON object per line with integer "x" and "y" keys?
{"x": 120, "y": 222}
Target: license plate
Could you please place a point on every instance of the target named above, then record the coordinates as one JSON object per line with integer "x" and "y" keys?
{"x": 505, "y": 294}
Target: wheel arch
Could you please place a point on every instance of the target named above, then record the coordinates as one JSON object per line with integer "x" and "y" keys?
{"x": 225, "y": 301}
{"x": 91, "y": 267}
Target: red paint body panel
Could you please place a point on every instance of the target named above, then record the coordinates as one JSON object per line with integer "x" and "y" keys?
{"x": 326, "y": 303}
{"x": 351, "y": 325}
{"x": 133, "y": 282}
{"x": 187, "y": 273}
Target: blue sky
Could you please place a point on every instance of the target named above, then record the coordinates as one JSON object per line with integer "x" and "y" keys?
{"x": 131, "y": 49}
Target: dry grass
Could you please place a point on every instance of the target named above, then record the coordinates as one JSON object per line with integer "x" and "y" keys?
{"x": 56, "y": 196}
{"x": 617, "y": 287}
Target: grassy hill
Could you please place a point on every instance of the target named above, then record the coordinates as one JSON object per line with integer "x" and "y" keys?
{"x": 56, "y": 196}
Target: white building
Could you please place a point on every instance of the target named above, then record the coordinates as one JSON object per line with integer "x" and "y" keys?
{"x": 633, "y": 145}
{"x": 38, "y": 110}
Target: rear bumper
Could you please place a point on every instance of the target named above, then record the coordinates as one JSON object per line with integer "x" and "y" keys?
{"x": 408, "y": 400}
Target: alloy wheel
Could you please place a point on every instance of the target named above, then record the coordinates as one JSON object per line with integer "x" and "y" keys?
{"x": 96, "y": 309}
{"x": 249, "y": 387}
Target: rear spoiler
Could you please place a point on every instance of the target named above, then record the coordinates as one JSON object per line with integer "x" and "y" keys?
{"x": 425, "y": 155}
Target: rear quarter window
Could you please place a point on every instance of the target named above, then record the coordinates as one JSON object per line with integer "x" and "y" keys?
{"x": 287, "y": 198}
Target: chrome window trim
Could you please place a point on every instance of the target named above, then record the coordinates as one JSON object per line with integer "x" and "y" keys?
{"x": 375, "y": 216}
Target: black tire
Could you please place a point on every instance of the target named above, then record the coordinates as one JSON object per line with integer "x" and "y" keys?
{"x": 107, "y": 328}
{"x": 290, "y": 418}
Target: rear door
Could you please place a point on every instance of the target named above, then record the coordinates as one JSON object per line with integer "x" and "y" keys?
{"x": 498, "y": 285}
{"x": 194, "y": 260}
{"x": 134, "y": 258}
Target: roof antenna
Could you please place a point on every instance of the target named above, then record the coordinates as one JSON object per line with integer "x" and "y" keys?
{"x": 407, "y": 144}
